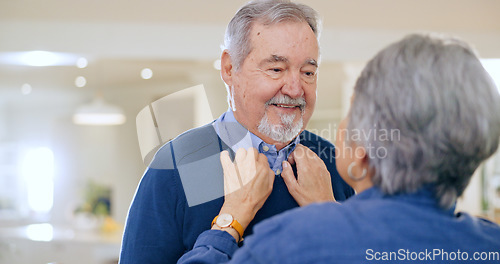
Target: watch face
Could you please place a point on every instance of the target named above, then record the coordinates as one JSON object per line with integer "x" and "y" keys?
{"x": 224, "y": 220}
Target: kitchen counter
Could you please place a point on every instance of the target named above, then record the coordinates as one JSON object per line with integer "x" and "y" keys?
{"x": 44, "y": 243}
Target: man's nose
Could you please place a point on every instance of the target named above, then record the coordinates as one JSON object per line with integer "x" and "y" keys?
{"x": 293, "y": 85}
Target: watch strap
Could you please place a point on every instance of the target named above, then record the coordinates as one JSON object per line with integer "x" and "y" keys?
{"x": 235, "y": 225}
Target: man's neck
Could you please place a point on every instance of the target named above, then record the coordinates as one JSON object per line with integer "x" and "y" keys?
{"x": 266, "y": 139}
{"x": 279, "y": 145}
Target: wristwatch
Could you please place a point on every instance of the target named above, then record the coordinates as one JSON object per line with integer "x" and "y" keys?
{"x": 227, "y": 220}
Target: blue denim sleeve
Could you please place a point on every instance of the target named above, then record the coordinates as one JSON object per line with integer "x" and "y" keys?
{"x": 212, "y": 246}
{"x": 216, "y": 246}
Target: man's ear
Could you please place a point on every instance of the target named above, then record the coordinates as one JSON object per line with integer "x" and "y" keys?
{"x": 226, "y": 68}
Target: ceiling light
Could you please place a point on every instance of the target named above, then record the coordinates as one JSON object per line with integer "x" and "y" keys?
{"x": 82, "y": 63}
{"x": 38, "y": 58}
{"x": 26, "y": 88}
{"x": 80, "y": 81}
{"x": 98, "y": 112}
{"x": 146, "y": 73}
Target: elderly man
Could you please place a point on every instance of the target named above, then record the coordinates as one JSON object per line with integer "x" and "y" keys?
{"x": 269, "y": 66}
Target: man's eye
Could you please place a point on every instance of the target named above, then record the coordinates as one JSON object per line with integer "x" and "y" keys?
{"x": 309, "y": 74}
{"x": 275, "y": 72}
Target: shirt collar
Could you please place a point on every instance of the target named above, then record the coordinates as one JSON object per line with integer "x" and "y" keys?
{"x": 234, "y": 135}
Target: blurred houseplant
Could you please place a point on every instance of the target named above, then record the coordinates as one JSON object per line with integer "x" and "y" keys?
{"x": 95, "y": 212}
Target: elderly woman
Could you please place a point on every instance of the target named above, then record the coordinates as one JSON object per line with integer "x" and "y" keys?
{"x": 423, "y": 117}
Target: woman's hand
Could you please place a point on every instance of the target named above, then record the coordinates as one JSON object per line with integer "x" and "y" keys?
{"x": 313, "y": 182}
{"x": 247, "y": 184}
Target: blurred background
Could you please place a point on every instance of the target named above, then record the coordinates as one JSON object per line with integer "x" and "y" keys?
{"x": 75, "y": 74}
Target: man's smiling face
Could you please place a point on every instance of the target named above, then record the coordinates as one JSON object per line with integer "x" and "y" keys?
{"x": 274, "y": 90}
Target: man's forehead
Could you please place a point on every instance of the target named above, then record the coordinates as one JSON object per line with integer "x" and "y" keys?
{"x": 256, "y": 30}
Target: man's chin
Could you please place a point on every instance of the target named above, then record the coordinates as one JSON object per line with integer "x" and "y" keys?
{"x": 286, "y": 122}
{"x": 283, "y": 133}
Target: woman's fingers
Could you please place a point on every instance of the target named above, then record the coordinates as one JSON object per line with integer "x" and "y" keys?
{"x": 231, "y": 178}
{"x": 247, "y": 166}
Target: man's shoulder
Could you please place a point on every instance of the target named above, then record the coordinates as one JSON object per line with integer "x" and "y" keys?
{"x": 187, "y": 144}
{"x": 195, "y": 136}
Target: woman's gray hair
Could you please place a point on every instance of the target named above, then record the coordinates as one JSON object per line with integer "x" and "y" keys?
{"x": 267, "y": 12}
{"x": 430, "y": 114}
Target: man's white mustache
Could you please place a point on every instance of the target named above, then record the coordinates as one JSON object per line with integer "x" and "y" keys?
{"x": 285, "y": 99}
